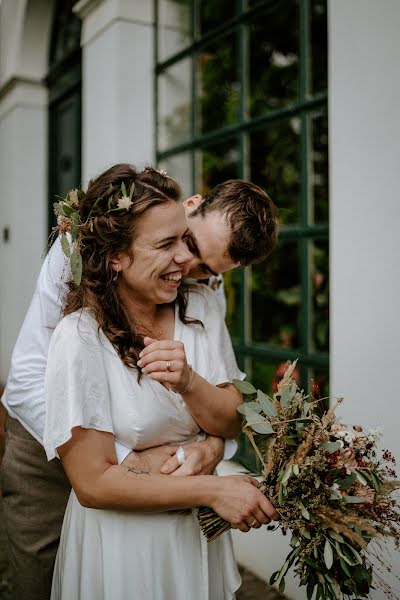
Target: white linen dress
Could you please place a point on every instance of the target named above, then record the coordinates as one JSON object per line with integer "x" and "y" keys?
{"x": 120, "y": 555}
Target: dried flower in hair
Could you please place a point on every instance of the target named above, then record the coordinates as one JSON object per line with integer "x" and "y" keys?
{"x": 124, "y": 202}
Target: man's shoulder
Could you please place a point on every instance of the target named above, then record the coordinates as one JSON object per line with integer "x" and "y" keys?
{"x": 202, "y": 299}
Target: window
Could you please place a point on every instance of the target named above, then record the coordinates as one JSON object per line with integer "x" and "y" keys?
{"x": 241, "y": 92}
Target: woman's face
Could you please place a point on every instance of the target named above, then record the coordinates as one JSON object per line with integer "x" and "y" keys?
{"x": 160, "y": 256}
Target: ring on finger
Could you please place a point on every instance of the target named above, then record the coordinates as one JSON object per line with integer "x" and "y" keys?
{"x": 180, "y": 455}
{"x": 168, "y": 366}
{"x": 253, "y": 523}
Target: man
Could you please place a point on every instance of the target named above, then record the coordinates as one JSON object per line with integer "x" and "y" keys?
{"x": 234, "y": 224}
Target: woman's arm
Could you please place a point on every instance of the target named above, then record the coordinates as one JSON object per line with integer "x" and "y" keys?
{"x": 213, "y": 407}
{"x": 99, "y": 482}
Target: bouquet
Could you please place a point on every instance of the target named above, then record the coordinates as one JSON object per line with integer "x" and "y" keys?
{"x": 332, "y": 489}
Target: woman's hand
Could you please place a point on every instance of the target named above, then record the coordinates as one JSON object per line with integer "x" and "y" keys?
{"x": 239, "y": 502}
{"x": 165, "y": 361}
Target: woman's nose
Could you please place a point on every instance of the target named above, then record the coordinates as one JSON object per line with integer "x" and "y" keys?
{"x": 183, "y": 254}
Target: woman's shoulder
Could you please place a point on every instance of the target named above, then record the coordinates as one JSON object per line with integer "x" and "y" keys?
{"x": 80, "y": 324}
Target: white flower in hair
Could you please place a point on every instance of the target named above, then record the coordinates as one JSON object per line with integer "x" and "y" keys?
{"x": 162, "y": 172}
{"x": 125, "y": 202}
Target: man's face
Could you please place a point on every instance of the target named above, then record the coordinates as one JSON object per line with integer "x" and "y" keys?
{"x": 207, "y": 241}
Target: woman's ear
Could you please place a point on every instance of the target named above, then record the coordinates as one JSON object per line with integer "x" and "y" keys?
{"x": 116, "y": 263}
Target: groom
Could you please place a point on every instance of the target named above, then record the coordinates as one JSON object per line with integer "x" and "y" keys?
{"x": 235, "y": 224}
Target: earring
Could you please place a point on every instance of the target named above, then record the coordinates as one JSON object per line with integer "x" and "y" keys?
{"x": 115, "y": 277}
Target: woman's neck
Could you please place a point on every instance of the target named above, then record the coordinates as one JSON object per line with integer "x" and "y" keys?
{"x": 154, "y": 320}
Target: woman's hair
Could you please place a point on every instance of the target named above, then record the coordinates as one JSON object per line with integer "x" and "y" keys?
{"x": 105, "y": 233}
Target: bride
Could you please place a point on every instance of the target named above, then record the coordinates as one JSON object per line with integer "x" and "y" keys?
{"x": 139, "y": 359}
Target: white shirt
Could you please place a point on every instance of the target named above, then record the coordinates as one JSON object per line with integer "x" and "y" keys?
{"x": 23, "y": 396}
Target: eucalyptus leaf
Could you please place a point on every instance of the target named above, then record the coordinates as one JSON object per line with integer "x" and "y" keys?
{"x": 74, "y": 232}
{"x": 296, "y": 470}
{"x": 74, "y": 216}
{"x": 353, "y": 499}
{"x": 123, "y": 189}
{"x": 68, "y": 210}
{"x": 336, "y": 536}
{"x": 132, "y": 190}
{"x": 264, "y": 428}
{"x": 59, "y": 209}
{"x": 253, "y": 417}
{"x": 331, "y": 446}
{"x": 344, "y": 566}
{"x": 361, "y": 477}
{"x": 76, "y": 267}
{"x": 253, "y": 405}
{"x": 376, "y": 481}
{"x": 286, "y": 475}
{"x": 347, "y": 482}
{"x": 266, "y": 404}
{"x": 328, "y": 554}
{"x": 303, "y": 510}
{"x": 287, "y": 394}
{"x": 355, "y": 554}
{"x": 244, "y": 386}
{"x": 65, "y": 245}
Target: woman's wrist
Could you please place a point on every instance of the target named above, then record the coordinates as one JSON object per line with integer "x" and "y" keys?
{"x": 189, "y": 381}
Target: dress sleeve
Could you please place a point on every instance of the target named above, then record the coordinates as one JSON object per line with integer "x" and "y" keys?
{"x": 222, "y": 361}
{"x": 76, "y": 385}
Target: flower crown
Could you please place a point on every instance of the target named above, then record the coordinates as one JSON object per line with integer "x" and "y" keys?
{"x": 69, "y": 221}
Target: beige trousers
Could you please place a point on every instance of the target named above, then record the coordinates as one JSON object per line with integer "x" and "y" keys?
{"x": 35, "y": 494}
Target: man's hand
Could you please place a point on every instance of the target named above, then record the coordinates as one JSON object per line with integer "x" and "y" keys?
{"x": 201, "y": 458}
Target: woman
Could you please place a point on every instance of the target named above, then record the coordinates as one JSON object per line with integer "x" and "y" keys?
{"x": 118, "y": 366}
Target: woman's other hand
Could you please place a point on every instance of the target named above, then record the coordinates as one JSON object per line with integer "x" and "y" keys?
{"x": 240, "y": 502}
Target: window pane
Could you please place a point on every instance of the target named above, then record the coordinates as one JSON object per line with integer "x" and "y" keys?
{"x": 273, "y": 51}
{"x": 232, "y": 285}
{"x": 319, "y": 164}
{"x": 179, "y": 167}
{"x": 265, "y": 373}
{"x": 217, "y": 84}
{"x": 216, "y": 164}
{"x": 274, "y": 162}
{"x": 276, "y": 297}
{"x": 320, "y": 296}
{"x": 174, "y": 105}
{"x": 319, "y": 62}
{"x": 173, "y": 27}
{"x": 213, "y": 14}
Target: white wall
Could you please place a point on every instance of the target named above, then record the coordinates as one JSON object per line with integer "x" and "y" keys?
{"x": 364, "y": 141}
{"x": 24, "y": 33}
{"x": 118, "y": 85}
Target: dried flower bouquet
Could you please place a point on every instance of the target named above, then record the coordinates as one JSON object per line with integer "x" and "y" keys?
{"x": 332, "y": 491}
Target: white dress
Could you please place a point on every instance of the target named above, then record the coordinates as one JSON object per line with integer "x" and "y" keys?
{"x": 119, "y": 555}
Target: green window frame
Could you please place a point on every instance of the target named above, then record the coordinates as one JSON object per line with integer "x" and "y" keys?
{"x": 189, "y": 138}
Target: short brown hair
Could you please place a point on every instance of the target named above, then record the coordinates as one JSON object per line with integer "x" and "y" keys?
{"x": 251, "y": 216}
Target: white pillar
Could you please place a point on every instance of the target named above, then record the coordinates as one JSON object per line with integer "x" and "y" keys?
{"x": 117, "y": 87}
{"x": 24, "y": 29}
{"x": 364, "y": 141}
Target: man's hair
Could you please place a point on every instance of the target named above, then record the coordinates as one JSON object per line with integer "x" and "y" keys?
{"x": 251, "y": 216}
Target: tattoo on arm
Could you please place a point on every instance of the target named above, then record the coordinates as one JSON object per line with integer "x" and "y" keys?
{"x": 138, "y": 471}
